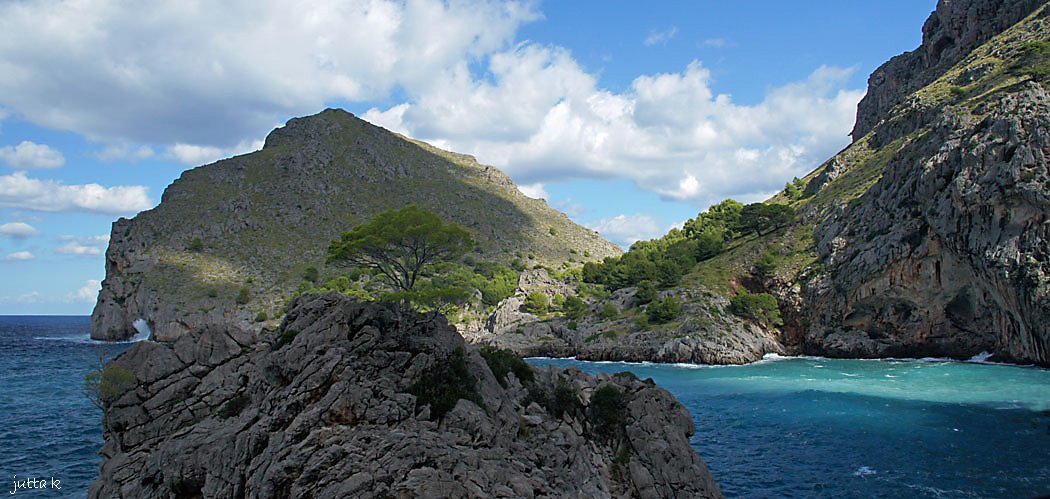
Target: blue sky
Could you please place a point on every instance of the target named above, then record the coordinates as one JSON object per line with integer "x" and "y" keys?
{"x": 631, "y": 117}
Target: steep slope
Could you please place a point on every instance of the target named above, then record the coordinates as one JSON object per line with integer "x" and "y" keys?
{"x": 947, "y": 252}
{"x": 927, "y": 236}
{"x": 231, "y": 240}
{"x": 343, "y": 401}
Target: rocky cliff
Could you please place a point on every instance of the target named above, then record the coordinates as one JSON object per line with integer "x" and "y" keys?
{"x": 952, "y": 32}
{"x": 231, "y": 241}
{"x": 360, "y": 400}
{"x": 946, "y": 253}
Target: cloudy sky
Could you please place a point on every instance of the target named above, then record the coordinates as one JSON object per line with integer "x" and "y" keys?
{"x": 629, "y": 116}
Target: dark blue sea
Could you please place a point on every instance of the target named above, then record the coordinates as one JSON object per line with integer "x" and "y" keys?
{"x": 800, "y": 427}
{"x": 48, "y": 428}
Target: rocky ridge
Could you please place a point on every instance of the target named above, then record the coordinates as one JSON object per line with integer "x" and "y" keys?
{"x": 230, "y": 241}
{"x": 335, "y": 405}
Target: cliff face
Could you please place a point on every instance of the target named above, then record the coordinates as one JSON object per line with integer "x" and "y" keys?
{"x": 955, "y": 29}
{"x": 231, "y": 240}
{"x": 946, "y": 253}
{"x": 343, "y": 401}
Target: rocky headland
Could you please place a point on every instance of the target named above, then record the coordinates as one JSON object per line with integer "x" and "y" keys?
{"x": 351, "y": 399}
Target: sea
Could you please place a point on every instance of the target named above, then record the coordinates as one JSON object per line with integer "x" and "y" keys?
{"x": 780, "y": 427}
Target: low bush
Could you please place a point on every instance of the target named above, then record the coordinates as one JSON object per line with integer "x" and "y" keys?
{"x": 502, "y": 362}
{"x": 761, "y": 307}
{"x": 443, "y": 384}
{"x": 663, "y": 310}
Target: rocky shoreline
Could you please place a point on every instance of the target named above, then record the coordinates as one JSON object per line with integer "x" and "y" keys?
{"x": 365, "y": 400}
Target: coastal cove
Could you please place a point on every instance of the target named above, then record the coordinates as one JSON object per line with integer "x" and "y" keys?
{"x": 817, "y": 427}
{"x": 781, "y": 426}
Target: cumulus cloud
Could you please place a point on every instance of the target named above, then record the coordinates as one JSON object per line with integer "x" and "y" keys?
{"x": 625, "y": 230}
{"x": 19, "y": 256}
{"x": 193, "y": 155}
{"x": 542, "y": 118}
{"x": 125, "y": 152}
{"x": 86, "y": 293}
{"x": 214, "y": 74}
{"x": 18, "y": 230}
{"x": 19, "y": 191}
{"x": 27, "y": 155}
{"x": 660, "y": 37}
{"x": 534, "y": 191}
{"x": 83, "y": 246}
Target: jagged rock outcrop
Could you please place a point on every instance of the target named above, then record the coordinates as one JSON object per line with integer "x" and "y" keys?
{"x": 342, "y": 402}
{"x": 231, "y": 241}
{"x": 946, "y": 253}
{"x": 706, "y": 334}
{"x": 952, "y": 32}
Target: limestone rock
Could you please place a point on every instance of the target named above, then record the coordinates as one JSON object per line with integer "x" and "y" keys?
{"x": 327, "y": 409}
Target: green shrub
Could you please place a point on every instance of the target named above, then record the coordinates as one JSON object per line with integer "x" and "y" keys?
{"x": 502, "y": 361}
{"x": 234, "y": 406}
{"x": 311, "y": 274}
{"x": 560, "y": 400}
{"x": 609, "y": 312}
{"x": 646, "y": 292}
{"x": 108, "y": 383}
{"x": 608, "y": 412}
{"x": 261, "y": 317}
{"x": 662, "y": 311}
{"x": 443, "y": 384}
{"x": 243, "y": 296}
{"x": 574, "y": 308}
{"x": 766, "y": 264}
{"x": 213, "y": 293}
{"x": 761, "y": 307}
{"x": 196, "y": 245}
{"x": 537, "y": 303}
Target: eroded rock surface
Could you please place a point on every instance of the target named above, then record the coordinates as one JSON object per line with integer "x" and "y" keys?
{"x": 328, "y": 408}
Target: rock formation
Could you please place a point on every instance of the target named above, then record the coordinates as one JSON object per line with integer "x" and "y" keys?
{"x": 708, "y": 334}
{"x": 946, "y": 253}
{"x": 348, "y": 399}
{"x": 231, "y": 241}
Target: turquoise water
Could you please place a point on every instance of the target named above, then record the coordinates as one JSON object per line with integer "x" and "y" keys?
{"x": 784, "y": 428}
{"x": 48, "y": 428}
{"x": 814, "y": 427}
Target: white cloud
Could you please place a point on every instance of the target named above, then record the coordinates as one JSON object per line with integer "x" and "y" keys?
{"x": 534, "y": 191}
{"x": 125, "y": 152}
{"x": 625, "y": 230}
{"x": 214, "y": 74}
{"x": 28, "y": 155}
{"x": 660, "y": 37}
{"x": 19, "y": 191}
{"x": 542, "y": 118}
{"x": 194, "y": 155}
{"x": 715, "y": 43}
{"x": 86, "y": 293}
{"x": 19, "y": 256}
{"x": 18, "y": 230}
{"x": 83, "y": 246}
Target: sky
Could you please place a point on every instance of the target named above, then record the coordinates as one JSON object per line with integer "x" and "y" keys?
{"x": 631, "y": 117}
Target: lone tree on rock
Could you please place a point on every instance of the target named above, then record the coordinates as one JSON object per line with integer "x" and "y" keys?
{"x": 401, "y": 243}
